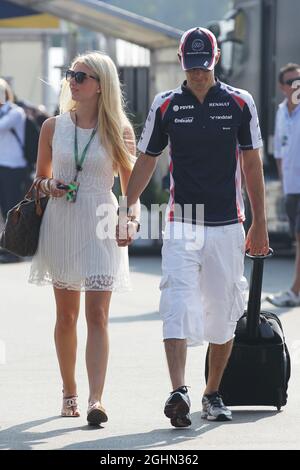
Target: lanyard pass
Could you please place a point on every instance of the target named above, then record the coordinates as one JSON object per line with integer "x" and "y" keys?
{"x": 74, "y": 185}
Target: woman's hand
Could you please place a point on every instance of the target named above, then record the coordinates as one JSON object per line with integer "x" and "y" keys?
{"x": 125, "y": 232}
{"x": 54, "y": 190}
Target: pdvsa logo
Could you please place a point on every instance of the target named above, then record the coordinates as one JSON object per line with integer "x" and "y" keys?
{"x": 198, "y": 45}
{"x": 183, "y": 107}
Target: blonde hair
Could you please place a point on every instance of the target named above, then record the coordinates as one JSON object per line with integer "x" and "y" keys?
{"x": 114, "y": 127}
{"x": 9, "y": 96}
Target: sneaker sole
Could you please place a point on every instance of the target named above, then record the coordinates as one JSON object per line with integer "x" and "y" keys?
{"x": 181, "y": 422}
{"x": 96, "y": 417}
{"x": 177, "y": 409}
{"x": 221, "y": 417}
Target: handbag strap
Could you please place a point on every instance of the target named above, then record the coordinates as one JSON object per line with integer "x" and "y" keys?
{"x": 36, "y": 185}
{"x": 28, "y": 195}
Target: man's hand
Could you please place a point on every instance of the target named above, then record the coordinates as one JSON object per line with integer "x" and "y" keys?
{"x": 257, "y": 240}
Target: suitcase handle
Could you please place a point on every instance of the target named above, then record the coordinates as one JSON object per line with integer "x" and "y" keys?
{"x": 254, "y": 301}
{"x": 271, "y": 252}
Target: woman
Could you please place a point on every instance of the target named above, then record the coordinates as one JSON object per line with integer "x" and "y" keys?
{"x": 84, "y": 146}
{"x": 13, "y": 166}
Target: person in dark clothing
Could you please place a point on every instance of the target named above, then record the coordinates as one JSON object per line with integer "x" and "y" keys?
{"x": 213, "y": 134}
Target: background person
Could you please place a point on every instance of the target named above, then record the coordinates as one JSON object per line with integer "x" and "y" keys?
{"x": 12, "y": 162}
{"x": 287, "y": 154}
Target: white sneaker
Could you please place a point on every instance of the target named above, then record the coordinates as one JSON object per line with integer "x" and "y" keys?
{"x": 284, "y": 299}
{"x": 177, "y": 408}
{"x": 214, "y": 409}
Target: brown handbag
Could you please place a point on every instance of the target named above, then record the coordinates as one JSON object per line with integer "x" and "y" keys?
{"x": 20, "y": 235}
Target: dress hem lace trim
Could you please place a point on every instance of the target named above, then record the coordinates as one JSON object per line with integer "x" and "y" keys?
{"x": 93, "y": 283}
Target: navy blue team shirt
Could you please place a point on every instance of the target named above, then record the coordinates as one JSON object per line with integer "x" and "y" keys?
{"x": 205, "y": 141}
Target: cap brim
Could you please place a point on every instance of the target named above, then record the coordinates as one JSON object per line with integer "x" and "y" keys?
{"x": 206, "y": 63}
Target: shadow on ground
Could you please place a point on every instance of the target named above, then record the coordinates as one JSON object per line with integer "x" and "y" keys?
{"x": 20, "y": 437}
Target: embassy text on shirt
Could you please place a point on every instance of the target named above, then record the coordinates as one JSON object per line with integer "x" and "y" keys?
{"x": 204, "y": 140}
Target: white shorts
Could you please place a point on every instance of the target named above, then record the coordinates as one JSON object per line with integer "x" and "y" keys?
{"x": 202, "y": 286}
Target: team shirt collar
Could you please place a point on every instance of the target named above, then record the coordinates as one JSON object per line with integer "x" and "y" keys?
{"x": 212, "y": 91}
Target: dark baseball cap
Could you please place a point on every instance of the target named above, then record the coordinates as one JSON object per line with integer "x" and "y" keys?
{"x": 198, "y": 48}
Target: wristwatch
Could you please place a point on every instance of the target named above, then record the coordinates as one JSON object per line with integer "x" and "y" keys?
{"x": 138, "y": 225}
{"x": 131, "y": 217}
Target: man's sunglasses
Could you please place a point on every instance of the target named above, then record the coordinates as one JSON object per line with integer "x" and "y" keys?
{"x": 291, "y": 81}
{"x": 79, "y": 76}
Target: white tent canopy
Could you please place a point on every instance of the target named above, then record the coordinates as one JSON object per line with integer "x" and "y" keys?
{"x": 109, "y": 20}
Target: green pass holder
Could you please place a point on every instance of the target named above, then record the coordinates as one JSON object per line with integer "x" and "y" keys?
{"x": 72, "y": 191}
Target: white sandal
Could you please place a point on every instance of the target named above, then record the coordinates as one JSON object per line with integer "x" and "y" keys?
{"x": 96, "y": 414}
{"x": 70, "y": 407}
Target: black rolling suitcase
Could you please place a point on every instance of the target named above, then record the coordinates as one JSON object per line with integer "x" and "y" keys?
{"x": 259, "y": 368}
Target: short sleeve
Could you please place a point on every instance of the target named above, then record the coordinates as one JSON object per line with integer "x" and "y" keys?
{"x": 153, "y": 139}
{"x": 249, "y": 134}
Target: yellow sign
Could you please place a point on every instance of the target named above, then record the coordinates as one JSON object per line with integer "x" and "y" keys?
{"x": 40, "y": 21}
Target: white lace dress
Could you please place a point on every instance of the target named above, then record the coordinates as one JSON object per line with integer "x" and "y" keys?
{"x": 77, "y": 248}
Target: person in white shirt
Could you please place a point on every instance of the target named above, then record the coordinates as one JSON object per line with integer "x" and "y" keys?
{"x": 13, "y": 165}
{"x": 287, "y": 154}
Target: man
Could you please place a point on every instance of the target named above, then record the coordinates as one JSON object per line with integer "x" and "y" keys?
{"x": 287, "y": 154}
{"x": 202, "y": 287}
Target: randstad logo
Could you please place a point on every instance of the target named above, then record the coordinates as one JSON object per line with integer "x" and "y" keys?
{"x": 220, "y": 117}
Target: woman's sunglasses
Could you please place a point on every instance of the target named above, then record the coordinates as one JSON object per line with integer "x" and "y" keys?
{"x": 79, "y": 76}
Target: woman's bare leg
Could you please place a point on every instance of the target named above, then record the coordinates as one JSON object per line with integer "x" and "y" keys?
{"x": 97, "y": 347}
{"x": 67, "y": 310}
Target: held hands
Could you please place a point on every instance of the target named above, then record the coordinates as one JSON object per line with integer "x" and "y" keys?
{"x": 125, "y": 231}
